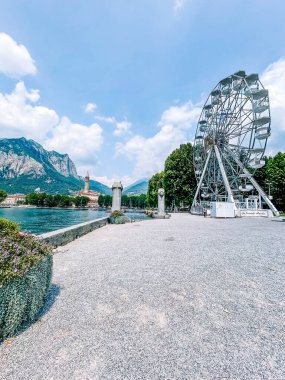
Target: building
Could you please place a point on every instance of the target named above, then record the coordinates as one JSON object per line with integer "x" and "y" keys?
{"x": 86, "y": 192}
{"x": 14, "y": 200}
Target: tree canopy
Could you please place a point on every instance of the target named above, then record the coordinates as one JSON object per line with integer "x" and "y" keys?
{"x": 156, "y": 182}
{"x": 179, "y": 177}
{"x": 58, "y": 200}
{"x": 3, "y": 195}
{"x": 275, "y": 179}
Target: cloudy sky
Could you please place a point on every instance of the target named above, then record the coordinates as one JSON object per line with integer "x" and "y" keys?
{"x": 119, "y": 84}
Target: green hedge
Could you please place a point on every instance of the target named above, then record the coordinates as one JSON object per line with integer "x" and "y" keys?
{"x": 22, "y": 298}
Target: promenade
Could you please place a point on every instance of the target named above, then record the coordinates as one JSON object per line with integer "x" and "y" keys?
{"x": 184, "y": 298}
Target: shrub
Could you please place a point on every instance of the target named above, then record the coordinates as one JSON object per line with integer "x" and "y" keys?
{"x": 7, "y": 227}
{"x": 117, "y": 217}
{"x": 25, "y": 273}
{"x": 22, "y": 298}
{"x": 116, "y": 214}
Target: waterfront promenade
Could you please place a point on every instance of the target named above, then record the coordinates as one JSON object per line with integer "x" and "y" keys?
{"x": 184, "y": 298}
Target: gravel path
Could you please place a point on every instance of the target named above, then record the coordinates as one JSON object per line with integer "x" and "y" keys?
{"x": 185, "y": 298}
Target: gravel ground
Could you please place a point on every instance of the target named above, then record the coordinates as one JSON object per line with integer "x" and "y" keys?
{"x": 185, "y": 298}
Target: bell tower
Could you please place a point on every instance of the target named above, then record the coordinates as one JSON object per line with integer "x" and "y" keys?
{"x": 86, "y": 183}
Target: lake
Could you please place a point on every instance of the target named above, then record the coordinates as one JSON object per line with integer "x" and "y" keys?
{"x": 38, "y": 221}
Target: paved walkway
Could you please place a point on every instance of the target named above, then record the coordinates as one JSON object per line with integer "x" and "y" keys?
{"x": 185, "y": 298}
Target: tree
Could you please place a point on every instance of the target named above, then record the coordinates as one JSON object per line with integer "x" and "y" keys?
{"x": 125, "y": 201}
{"x": 275, "y": 178}
{"x": 156, "y": 182}
{"x": 141, "y": 202}
{"x": 179, "y": 177}
{"x": 81, "y": 201}
{"x": 3, "y": 195}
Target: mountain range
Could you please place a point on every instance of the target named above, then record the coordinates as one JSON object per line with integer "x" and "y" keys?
{"x": 137, "y": 188}
{"x": 25, "y": 166}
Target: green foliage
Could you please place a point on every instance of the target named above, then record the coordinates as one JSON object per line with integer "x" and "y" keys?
{"x": 105, "y": 200}
{"x": 81, "y": 201}
{"x": 179, "y": 177}
{"x": 275, "y": 178}
{"x": 18, "y": 252}
{"x": 8, "y": 228}
{"x": 25, "y": 274}
{"x": 22, "y": 298}
{"x": 58, "y": 200}
{"x": 156, "y": 182}
{"x": 138, "y": 201}
{"x": 117, "y": 217}
{"x": 3, "y": 195}
{"x": 116, "y": 214}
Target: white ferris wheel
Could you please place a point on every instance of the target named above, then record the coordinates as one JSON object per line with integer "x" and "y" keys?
{"x": 230, "y": 142}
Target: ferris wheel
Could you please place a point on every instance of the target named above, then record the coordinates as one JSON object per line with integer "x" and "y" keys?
{"x": 230, "y": 142}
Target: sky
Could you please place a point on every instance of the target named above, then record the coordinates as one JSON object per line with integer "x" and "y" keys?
{"x": 119, "y": 84}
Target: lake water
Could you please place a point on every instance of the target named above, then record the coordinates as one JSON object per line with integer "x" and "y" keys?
{"x": 38, "y": 221}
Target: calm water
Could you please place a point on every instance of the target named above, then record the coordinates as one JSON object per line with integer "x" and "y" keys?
{"x": 38, "y": 221}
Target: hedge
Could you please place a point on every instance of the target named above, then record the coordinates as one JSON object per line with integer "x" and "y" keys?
{"x": 22, "y": 298}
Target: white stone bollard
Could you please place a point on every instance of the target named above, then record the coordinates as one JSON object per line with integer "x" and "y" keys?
{"x": 117, "y": 196}
{"x": 161, "y": 203}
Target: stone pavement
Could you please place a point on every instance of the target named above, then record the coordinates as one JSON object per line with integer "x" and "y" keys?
{"x": 184, "y": 298}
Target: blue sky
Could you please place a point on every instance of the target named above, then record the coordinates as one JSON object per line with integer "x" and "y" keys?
{"x": 144, "y": 67}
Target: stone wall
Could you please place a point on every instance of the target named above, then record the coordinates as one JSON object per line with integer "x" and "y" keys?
{"x": 68, "y": 234}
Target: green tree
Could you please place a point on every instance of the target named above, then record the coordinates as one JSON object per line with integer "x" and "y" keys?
{"x": 125, "y": 201}
{"x": 275, "y": 178}
{"x": 156, "y": 182}
{"x": 3, "y": 195}
{"x": 81, "y": 201}
{"x": 141, "y": 202}
{"x": 179, "y": 177}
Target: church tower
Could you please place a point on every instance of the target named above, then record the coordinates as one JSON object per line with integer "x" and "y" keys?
{"x": 86, "y": 183}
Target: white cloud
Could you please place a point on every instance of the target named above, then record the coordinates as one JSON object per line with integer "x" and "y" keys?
{"x": 122, "y": 128}
{"x": 150, "y": 153}
{"x": 79, "y": 140}
{"x": 90, "y": 107}
{"x": 273, "y": 78}
{"x": 20, "y": 116}
{"x": 181, "y": 116}
{"x": 178, "y": 4}
{"x": 15, "y": 60}
{"x": 106, "y": 119}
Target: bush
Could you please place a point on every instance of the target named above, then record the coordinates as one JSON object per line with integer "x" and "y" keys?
{"x": 22, "y": 298}
{"x": 7, "y": 227}
{"x": 25, "y": 273}
{"x": 117, "y": 217}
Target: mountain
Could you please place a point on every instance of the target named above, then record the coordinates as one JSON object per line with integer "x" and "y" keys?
{"x": 137, "y": 188}
{"x": 25, "y": 165}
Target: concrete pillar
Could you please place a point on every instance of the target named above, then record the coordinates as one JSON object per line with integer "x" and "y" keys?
{"x": 117, "y": 196}
{"x": 246, "y": 202}
{"x": 161, "y": 202}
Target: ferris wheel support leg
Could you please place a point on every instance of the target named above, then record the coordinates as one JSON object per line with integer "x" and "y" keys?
{"x": 202, "y": 177}
{"x": 225, "y": 178}
{"x": 256, "y": 185}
